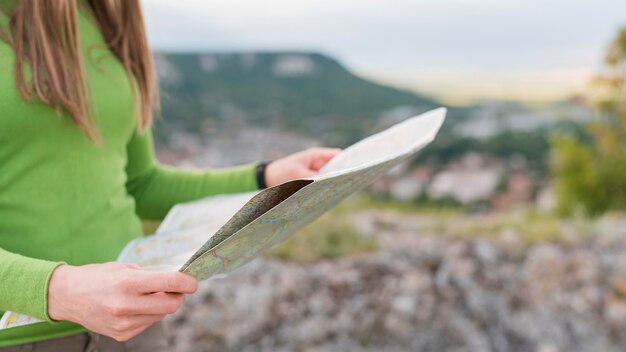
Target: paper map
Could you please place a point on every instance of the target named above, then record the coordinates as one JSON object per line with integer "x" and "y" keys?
{"x": 219, "y": 234}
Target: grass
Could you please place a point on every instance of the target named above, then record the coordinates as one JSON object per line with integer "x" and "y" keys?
{"x": 529, "y": 225}
{"x": 336, "y": 234}
{"x": 365, "y": 202}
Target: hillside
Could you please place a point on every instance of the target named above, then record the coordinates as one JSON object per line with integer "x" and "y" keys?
{"x": 305, "y": 92}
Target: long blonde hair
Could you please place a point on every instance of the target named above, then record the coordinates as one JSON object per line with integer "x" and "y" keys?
{"x": 44, "y": 34}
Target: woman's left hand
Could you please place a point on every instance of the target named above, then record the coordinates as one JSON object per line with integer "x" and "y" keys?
{"x": 302, "y": 164}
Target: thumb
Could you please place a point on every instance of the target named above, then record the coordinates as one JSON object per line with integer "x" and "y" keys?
{"x": 323, "y": 156}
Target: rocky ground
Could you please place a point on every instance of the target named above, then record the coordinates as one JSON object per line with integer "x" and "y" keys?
{"x": 420, "y": 293}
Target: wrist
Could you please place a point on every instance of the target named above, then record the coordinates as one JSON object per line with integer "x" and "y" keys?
{"x": 261, "y": 174}
{"x": 58, "y": 292}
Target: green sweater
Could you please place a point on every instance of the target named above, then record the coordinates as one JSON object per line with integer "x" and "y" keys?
{"x": 66, "y": 199}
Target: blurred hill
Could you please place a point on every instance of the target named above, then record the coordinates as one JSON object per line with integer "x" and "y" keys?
{"x": 221, "y": 109}
{"x": 306, "y": 92}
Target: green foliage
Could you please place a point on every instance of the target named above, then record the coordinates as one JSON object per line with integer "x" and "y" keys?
{"x": 617, "y": 51}
{"x": 590, "y": 174}
{"x": 574, "y": 175}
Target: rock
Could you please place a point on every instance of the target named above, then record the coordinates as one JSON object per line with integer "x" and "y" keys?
{"x": 615, "y": 311}
{"x": 420, "y": 293}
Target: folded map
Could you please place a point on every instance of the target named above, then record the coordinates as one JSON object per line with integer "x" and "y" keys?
{"x": 218, "y": 234}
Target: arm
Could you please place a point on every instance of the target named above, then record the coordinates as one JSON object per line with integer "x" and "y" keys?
{"x": 115, "y": 299}
{"x": 156, "y": 188}
{"x": 24, "y": 284}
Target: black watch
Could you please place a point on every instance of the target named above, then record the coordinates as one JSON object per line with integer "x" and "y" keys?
{"x": 260, "y": 174}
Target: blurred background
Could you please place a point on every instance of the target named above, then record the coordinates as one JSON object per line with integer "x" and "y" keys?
{"x": 505, "y": 234}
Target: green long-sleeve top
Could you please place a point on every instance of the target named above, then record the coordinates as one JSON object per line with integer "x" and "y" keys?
{"x": 66, "y": 199}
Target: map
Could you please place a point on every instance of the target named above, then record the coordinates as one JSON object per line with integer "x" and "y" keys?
{"x": 218, "y": 234}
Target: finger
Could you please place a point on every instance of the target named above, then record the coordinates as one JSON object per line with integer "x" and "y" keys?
{"x": 156, "y": 304}
{"x": 322, "y": 157}
{"x": 176, "y": 282}
{"x": 131, "y": 266}
{"x": 326, "y": 152}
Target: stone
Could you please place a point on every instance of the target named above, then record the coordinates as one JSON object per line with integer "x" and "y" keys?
{"x": 419, "y": 293}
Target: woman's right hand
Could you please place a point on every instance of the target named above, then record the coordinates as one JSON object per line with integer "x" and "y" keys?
{"x": 115, "y": 299}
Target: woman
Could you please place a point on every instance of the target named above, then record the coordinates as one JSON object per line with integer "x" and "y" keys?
{"x": 77, "y": 171}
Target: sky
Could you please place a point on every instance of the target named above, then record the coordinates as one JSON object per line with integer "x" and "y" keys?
{"x": 460, "y": 51}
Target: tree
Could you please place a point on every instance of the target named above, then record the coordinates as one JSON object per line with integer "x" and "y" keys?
{"x": 590, "y": 175}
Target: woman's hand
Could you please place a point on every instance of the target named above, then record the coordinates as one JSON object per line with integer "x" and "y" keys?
{"x": 303, "y": 164}
{"x": 115, "y": 299}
